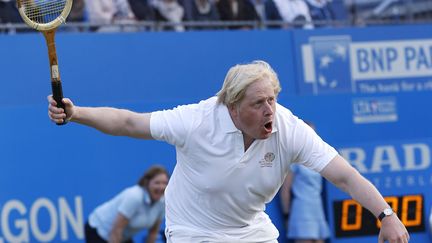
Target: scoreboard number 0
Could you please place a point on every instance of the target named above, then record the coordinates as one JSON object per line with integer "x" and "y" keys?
{"x": 352, "y": 220}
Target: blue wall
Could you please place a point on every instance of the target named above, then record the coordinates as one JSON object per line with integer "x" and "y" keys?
{"x": 52, "y": 177}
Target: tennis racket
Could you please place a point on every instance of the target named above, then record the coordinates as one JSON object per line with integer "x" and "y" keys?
{"x": 45, "y": 16}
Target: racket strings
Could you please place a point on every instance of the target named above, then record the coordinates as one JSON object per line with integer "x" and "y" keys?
{"x": 43, "y": 11}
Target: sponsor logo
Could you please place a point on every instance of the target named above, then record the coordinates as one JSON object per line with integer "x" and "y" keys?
{"x": 389, "y": 158}
{"x": 392, "y": 166}
{"x": 44, "y": 220}
{"x": 374, "y": 110}
{"x": 335, "y": 64}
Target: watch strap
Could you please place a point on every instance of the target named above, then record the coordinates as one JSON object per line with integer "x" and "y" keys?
{"x": 381, "y": 216}
{"x": 385, "y": 212}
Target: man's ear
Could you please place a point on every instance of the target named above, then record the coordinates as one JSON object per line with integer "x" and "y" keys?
{"x": 232, "y": 109}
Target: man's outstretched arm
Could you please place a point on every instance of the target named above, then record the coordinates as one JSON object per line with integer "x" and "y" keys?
{"x": 345, "y": 177}
{"x": 118, "y": 122}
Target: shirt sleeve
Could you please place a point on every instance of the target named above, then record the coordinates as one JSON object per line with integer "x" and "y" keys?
{"x": 172, "y": 126}
{"x": 130, "y": 204}
{"x": 310, "y": 149}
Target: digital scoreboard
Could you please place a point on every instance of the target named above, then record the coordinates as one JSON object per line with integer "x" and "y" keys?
{"x": 402, "y": 172}
{"x": 352, "y": 220}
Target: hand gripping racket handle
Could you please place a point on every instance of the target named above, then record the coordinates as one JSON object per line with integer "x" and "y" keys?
{"x": 57, "y": 92}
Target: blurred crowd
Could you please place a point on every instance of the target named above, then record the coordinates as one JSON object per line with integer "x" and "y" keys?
{"x": 181, "y": 15}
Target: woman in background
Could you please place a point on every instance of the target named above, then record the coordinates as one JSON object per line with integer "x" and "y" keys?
{"x": 138, "y": 207}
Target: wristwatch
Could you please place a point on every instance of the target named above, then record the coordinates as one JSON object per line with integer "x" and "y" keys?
{"x": 386, "y": 212}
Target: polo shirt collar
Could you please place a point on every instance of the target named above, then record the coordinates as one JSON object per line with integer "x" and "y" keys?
{"x": 225, "y": 121}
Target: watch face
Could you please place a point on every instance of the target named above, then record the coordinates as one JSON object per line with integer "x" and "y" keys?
{"x": 388, "y": 211}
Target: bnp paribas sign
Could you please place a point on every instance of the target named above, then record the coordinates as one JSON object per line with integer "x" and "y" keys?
{"x": 336, "y": 64}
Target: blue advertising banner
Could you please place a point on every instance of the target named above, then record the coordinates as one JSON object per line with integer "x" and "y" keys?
{"x": 52, "y": 177}
{"x": 402, "y": 172}
{"x": 374, "y": 60}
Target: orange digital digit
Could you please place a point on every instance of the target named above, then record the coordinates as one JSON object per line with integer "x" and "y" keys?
{"x": 406, "y": 200}
{"x": 356, "y": 225}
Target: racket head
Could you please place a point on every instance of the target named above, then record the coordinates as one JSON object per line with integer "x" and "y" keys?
{"x": 44, "y": 15}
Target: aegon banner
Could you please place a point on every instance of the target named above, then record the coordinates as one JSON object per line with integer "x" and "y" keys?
{"x": 402, "y": 172}
{"x": 44, "y": 220}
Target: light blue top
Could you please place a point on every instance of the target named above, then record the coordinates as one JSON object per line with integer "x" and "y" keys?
{"x": 307, "y": 219}
{"x": 135, "y": 204}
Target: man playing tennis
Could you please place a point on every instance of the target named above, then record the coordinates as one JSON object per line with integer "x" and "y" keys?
{"x": 233, "y": 152}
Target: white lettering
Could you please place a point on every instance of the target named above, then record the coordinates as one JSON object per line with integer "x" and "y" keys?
{"x": 385, "y": 155}
{"x": 19, "y": 224}
{"x": 14, "y": 213}
{"x": 77, "y": 222}
{"x": 48, "y": 205}
{"x": 416, "y": 156}
{"x": 398, "y": 181}
{"x": 387, "y": 183}
{"x": 402, "y": 181}
{"x": 411, "y": 180}
{"x": 410, "y": 156}
{"x": 421, "y": 181}
{"x": 383, "y": 59}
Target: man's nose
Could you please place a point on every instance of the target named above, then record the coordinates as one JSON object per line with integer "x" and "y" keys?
{"x": 268, "y": 109}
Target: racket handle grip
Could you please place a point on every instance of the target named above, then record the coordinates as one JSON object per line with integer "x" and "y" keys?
{"x": 57, "y": 92}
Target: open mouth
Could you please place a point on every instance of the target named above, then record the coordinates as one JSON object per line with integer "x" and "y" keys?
{"x": 268, "y": 126}
{"x": 156, "y": 196}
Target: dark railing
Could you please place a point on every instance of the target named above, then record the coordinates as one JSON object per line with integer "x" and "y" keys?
{"x": 154, "y": 26}
{"x": 358, "y": 13}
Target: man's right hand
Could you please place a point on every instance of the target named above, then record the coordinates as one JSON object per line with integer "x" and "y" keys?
{"x": 58, "y": 115}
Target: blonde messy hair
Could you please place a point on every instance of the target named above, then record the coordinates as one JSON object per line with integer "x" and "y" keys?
{"x": 241, "y": 76}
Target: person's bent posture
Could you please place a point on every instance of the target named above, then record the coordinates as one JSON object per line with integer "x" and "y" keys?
{"x": 233, "y": 152}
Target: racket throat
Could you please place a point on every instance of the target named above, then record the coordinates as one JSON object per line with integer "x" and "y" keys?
{"x": 52, "y": 54}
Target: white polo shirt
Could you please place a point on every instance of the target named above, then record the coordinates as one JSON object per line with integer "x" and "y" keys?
{"x": 218, "y": 191}
{"x": 135, "y": 204}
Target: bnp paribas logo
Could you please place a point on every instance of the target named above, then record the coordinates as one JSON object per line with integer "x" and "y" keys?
{"x": 326, "y": 64}
{"x": 336, "y": 64}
